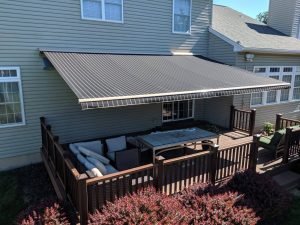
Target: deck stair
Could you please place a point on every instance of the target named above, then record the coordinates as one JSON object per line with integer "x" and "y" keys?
{"x": 288, "y": 180}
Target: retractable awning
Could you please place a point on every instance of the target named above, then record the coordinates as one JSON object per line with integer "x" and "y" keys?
{"x": 112, "y": 80}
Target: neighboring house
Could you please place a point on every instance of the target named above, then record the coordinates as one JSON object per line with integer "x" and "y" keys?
{"x": 138, "y": 72}
{"x": 238, "y": 40}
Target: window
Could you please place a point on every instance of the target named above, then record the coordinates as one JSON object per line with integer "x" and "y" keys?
{"x": 180, "y": 110}
{"x": 272, "y": 95}
{"x": 182, "y": 16}
{"x": 257, "y": 98}
{"x": 11, "y": 102}
{"x": 274, "y": 70}
{"x": 285, "y": 94}
{"x": 287, "y": 69}
{"x": 106, "y": 10}
{"x": 296, "y": 93}
{"x": 260, "y": 70}
{"x": 287, "y": 74}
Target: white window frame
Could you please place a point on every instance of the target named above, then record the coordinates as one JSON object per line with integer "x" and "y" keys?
{"x": 14, "y": 79}
{"x": 296, "y": 71}
{"x": 103, "y": 13}
{"x": 173, "y": 120}
{"x": 173, "y": 19}
{"x": 298, "y": 30}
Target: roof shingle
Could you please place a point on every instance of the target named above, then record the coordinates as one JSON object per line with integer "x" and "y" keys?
{"x": 250, "y": 33}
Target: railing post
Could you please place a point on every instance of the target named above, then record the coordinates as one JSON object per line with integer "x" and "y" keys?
{"x": 254, "y": 153}
{"x": 48, "y": 127}
{"x": 55, "y": 141}
{"x": 231, "y": 125}
{"x": 42, "y": 122}
{"x": 288, "y": 137}
{"x": 213, "y": 163}
{"x": 83, "y": 199}
{"x": 159, "y": 161}
{"x": 252, "y": 122}
{"x": 278, "y": 121}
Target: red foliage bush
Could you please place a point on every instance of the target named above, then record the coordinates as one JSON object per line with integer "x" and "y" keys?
{"x": 191, "y": 206}
{"x": 261, "y": 193}
{"x": 206, "y": 207}
{"x": 47, "y": 212}
{"x": 143, "y": 208}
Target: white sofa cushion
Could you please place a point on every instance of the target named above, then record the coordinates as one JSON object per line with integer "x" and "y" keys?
{"x": 94, "y": 146}
{"x": 90, "y": 167}
{"x": 99, "y": 165}
{"x": 73, "y": 149}
{"x": 110, "y": 169}
{"x": 81, "y": 158}
{"x": 116, "y": 144}
{"x": 92, "y": 154}
{"x": 93, "y": 169}
{"x": 111, "y": 156}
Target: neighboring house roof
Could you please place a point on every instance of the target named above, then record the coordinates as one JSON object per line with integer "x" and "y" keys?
{"x": 111, "y": 80}
{"x": 248, "y": 34}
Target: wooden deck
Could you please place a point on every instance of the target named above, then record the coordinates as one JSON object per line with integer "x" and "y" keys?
{"x": 169, "y": 173}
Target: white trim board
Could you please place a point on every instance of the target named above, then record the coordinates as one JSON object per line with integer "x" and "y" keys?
{"x": 19, "y": 81}
{"x": 103, "y": 19}
{"x": 173, "y": 18}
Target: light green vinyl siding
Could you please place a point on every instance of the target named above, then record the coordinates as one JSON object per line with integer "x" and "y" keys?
{"x": 220, "y": 50}
{"x": 268, "y": 113}
{"x": 26, "y": 26}
{"x": 214, "y": 110}
{"x": 284, "y": 16}
{"x": 147, "y": 27}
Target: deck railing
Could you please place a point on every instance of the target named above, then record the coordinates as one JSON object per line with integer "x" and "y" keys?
{"x": 242, "y": 120}
{"x": 292, "y": 137}
{"x": 168, "y": 176}
{"x": 292, "y": 145}
{"x": 233, "y": 159}
{"x": 282, "y": 122}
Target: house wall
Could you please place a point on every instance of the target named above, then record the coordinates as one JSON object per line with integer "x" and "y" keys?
{"x": 214, "y": 110}
{"x": 284, "y": 16}
{"x": 55, "y": 101}
{"x": 147, "y": 27}
{"x": 268, "y": 113}
{"x": 220, "y": 50}
{"x": 28, "y": 25}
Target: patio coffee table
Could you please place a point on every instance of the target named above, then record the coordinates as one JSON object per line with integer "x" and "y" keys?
{"x": 160, "y": 142}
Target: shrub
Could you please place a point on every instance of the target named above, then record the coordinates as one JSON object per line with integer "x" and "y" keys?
{"x": 206, "y": 206}
{"x": 47, "y": 212}
{"x": 247, "y": 198}
{"x": 261, "y": 193}
{"x": 268, "y": 128}
{"x": 144, "y": 207}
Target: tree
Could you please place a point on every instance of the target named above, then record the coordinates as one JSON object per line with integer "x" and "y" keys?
{"x": 263, "y": 17}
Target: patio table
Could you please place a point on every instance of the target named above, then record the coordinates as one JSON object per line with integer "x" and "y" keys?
{"x": 169, "y": 140}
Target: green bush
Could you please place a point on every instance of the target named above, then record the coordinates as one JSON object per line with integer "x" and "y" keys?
{"x": 268, "y": 128}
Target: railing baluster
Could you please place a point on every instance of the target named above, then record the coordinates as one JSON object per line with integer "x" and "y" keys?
{"x": 242, "y": 120}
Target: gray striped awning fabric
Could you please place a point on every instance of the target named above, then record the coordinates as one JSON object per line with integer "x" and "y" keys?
{"x": 111, "y": 80}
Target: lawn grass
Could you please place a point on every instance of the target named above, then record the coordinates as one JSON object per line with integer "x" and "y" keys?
{"x": 294, "y": 214}
{"x": 11, "y": 201}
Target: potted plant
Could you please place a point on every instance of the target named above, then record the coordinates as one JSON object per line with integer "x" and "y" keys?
{"x": 268, "y": 128}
